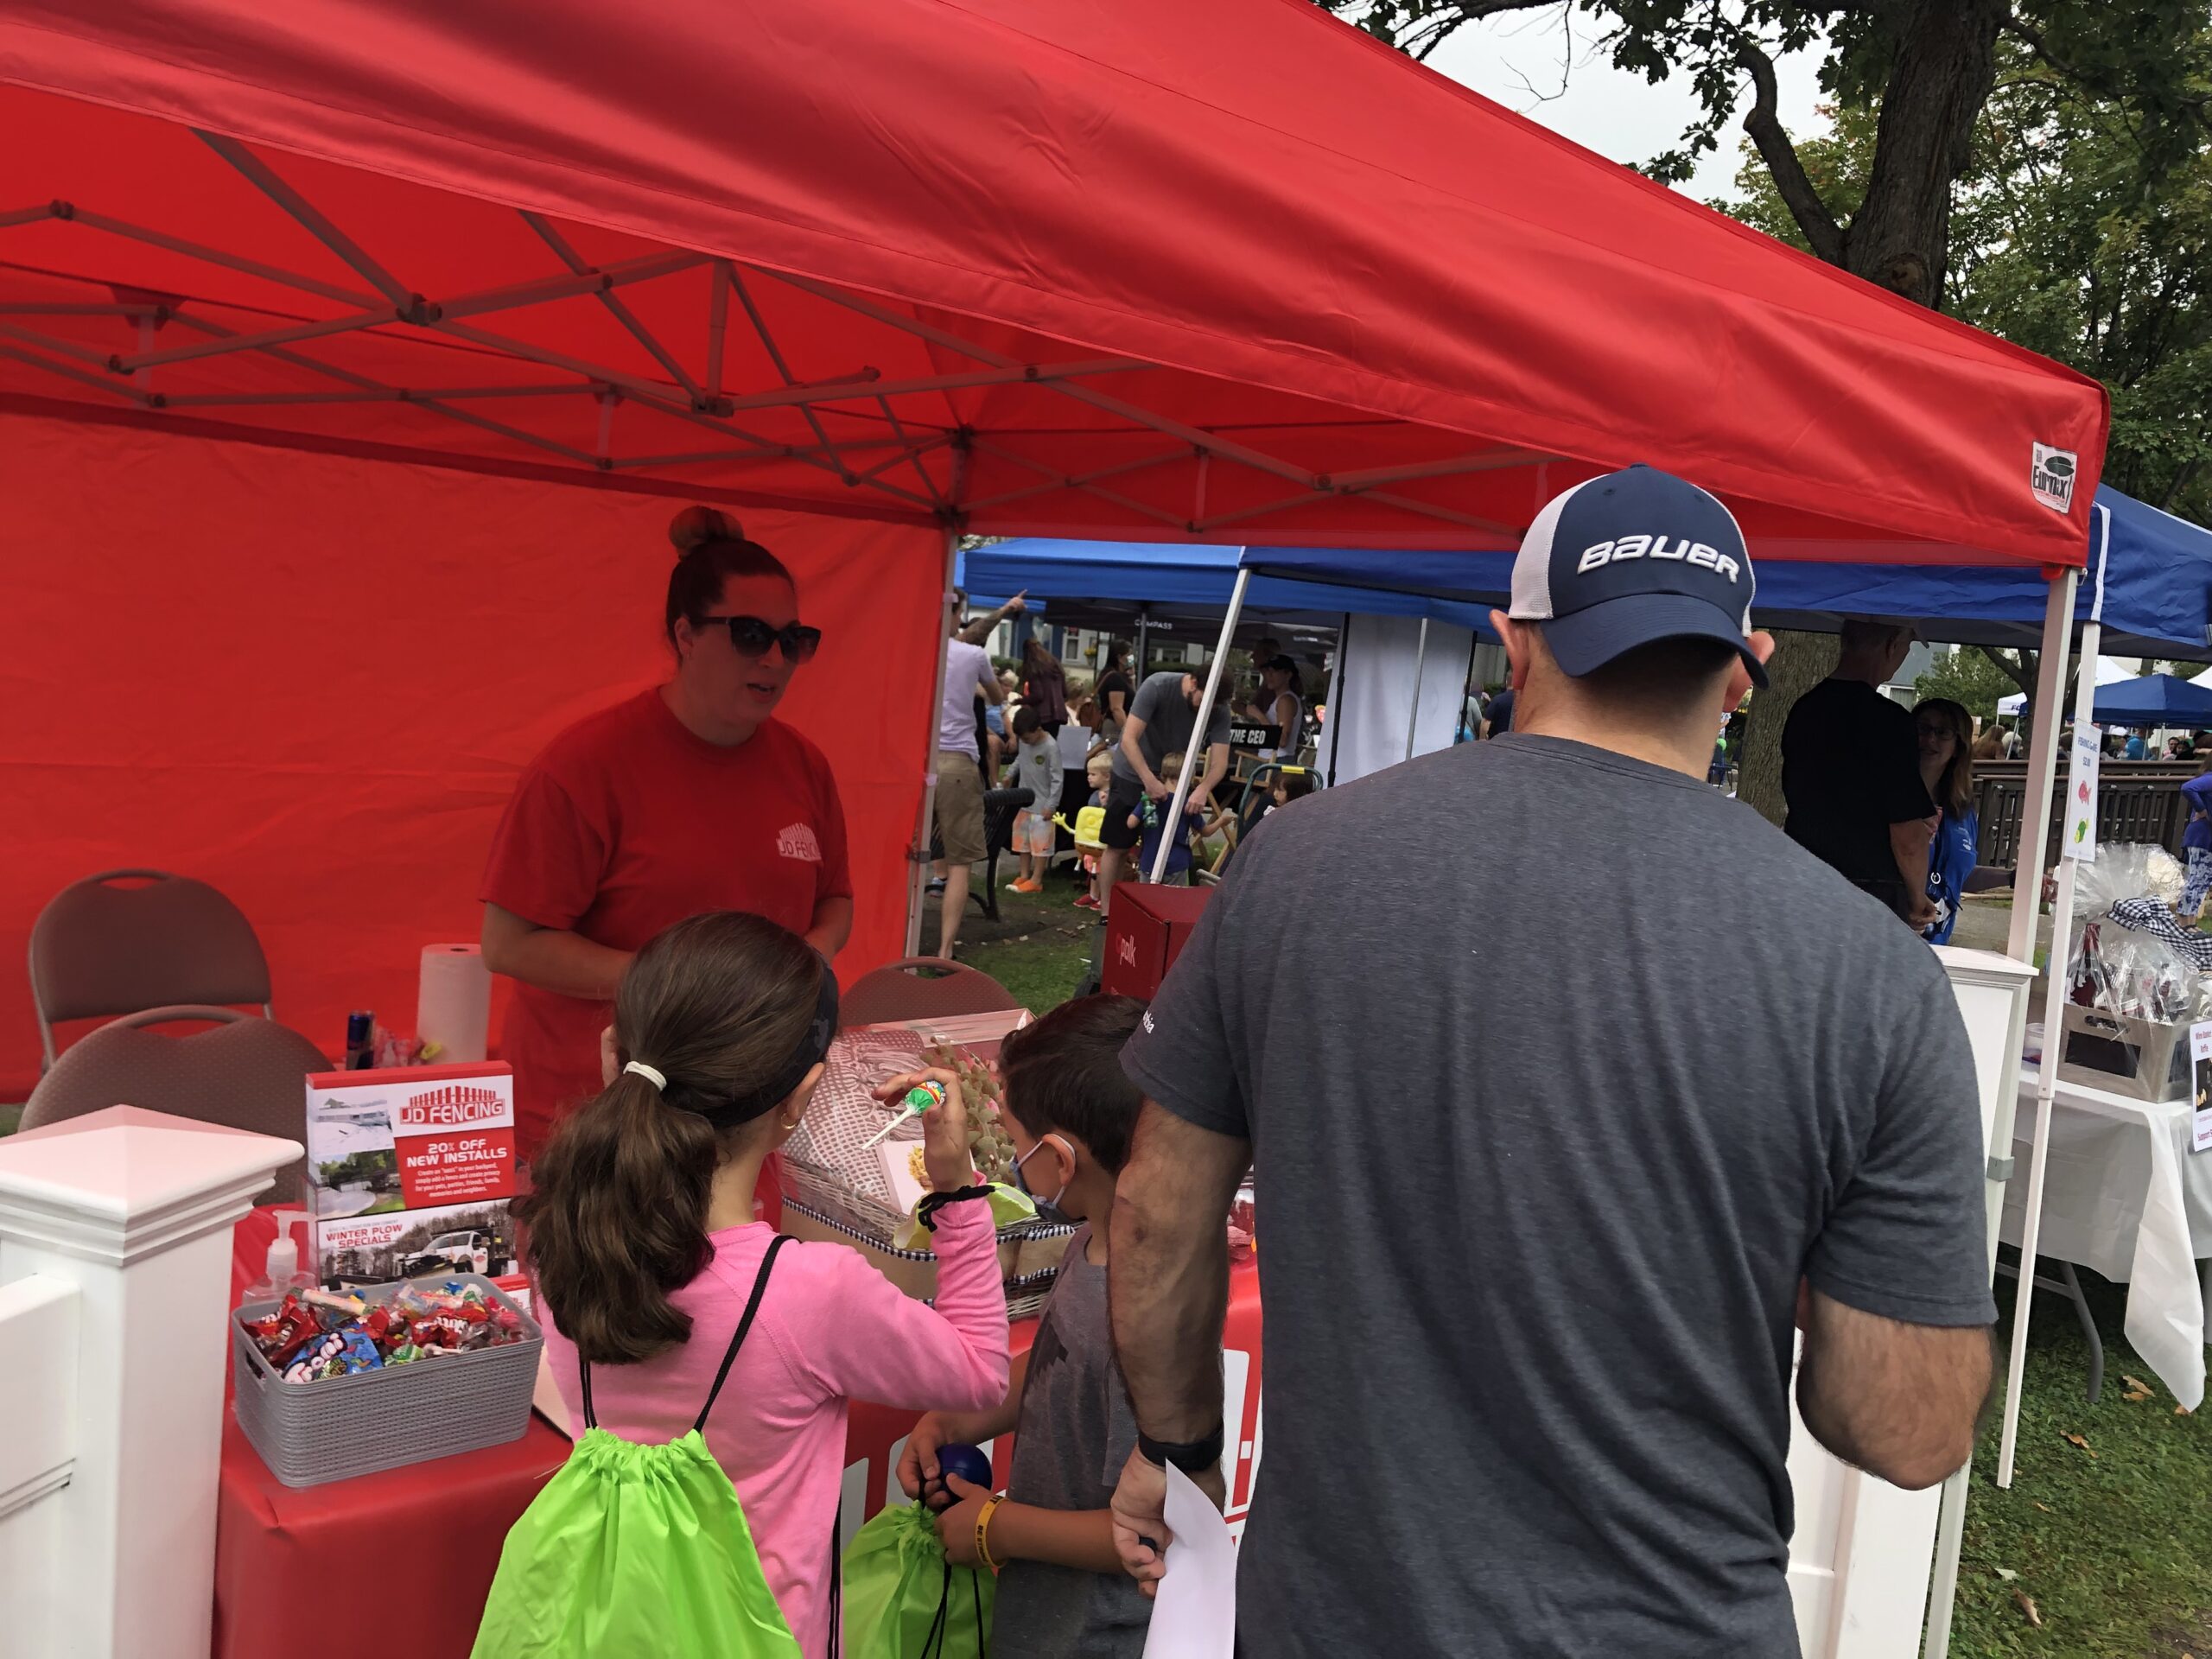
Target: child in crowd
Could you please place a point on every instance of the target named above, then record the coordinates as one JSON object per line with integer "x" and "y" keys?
{"x": 1151, "y": 817}
{"x": 1062, "y": 1594}
{"x": 645, "y": 1252}
{"x": 1288, "y": 787}
{"x": 1037, "y": 769}
{"x": 1098, "y": 772}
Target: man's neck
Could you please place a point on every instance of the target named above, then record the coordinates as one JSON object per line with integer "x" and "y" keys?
{"x": 1858, "y": 671}
{"x": 1655, "y": 747}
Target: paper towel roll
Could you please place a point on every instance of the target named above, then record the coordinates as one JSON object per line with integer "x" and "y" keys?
{"x": 454, "y": 1009}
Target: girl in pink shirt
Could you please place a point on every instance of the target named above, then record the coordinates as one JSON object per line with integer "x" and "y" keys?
{"x": 644, "y": 1251}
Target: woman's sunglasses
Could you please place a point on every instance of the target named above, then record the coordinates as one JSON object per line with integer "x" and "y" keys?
{"x": 751, "y": 637}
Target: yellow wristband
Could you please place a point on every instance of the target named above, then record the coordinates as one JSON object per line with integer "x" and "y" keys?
{"x": 983, "y": 1528}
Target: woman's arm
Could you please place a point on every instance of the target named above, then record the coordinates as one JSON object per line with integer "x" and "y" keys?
{"x": 554, "y": 959}
{"x": 833, "y": 924}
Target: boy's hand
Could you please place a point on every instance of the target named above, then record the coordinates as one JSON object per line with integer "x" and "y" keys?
{"x": 944, "y": 1128}
{"x": 955, "y": 1525}
{"x": 917, "y": 1462}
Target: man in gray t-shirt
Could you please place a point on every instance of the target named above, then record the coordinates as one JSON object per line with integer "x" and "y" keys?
{"x": 1162, "y": 718}
{"x": 1554, "y": 1113}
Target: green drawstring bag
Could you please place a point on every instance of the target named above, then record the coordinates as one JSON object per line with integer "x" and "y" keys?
{"x": 904, "y": 1601}
{"x": 638, "y": 1552}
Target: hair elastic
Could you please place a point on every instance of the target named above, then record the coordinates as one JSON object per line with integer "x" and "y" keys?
{"x": 648, "y": 1073}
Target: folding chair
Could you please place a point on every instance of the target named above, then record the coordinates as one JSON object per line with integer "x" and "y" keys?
{"x": 921, "y": 988}
{"x": 101, "y": 948}
{"x": 245, "y": 1073}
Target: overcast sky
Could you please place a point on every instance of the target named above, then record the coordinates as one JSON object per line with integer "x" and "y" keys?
{"x": 1521, "y": 61}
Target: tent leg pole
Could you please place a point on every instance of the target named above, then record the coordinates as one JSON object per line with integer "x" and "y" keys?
{"x": 1143, "y": 612}
{"x": 2027, "y": 895}
{"x": 2042, "y": 770}
{"x": 1420, "y": 665}
{"x": 1336, "y": 694}
{"x": 918, "y": 876}
{"x": 1192, "y": 762}
{"x": 2062, "y": 930}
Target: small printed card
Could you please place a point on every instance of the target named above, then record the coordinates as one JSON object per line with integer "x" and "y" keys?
{"x": 2199, "y": 1087}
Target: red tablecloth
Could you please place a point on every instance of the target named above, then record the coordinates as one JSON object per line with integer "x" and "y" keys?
{"x": 419, "y": 1545}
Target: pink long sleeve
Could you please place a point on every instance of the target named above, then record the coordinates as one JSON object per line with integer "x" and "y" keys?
{"x": 868, "y": 1340}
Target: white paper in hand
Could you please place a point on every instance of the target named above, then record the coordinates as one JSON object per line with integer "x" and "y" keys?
{"x": 1194, "y": 1615}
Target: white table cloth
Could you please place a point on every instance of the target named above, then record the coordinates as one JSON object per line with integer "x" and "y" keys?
{"x": 2125, "y": 1196}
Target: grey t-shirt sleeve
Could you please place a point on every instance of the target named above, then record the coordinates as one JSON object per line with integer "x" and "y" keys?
{"x": 1907, "y": 1239}
{"x": 1152, "y": 696}
{"x": 1184, "y": 1054}
{"x": 1217, "y": 724}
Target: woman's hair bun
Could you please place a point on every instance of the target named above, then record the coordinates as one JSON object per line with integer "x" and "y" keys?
{"x": 695, "y": 527}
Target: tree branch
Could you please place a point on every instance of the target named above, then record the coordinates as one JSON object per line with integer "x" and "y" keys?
{"x": 1823, "y": 233}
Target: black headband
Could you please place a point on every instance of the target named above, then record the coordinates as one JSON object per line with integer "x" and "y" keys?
{"x": 813, "y": 1048}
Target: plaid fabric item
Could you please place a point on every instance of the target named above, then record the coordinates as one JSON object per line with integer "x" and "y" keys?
{"x": 2149, "y": 916}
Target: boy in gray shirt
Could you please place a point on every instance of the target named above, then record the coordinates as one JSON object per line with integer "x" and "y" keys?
{"x": 1062, "y": 1593}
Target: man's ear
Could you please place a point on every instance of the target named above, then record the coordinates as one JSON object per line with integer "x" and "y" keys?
{"x": 1739, "y": 677}
{"x": 1516, "y": 636}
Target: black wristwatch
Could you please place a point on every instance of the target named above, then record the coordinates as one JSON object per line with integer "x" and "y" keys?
{"x": 1189, "y": 1456}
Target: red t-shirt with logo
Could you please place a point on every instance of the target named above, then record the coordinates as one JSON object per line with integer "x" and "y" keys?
{"x": 630, "y": 822}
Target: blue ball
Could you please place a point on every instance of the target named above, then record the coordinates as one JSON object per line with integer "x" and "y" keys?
{"x": 966, "y": 1461}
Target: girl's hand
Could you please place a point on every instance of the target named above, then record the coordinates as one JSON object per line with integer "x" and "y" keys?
{"x": 606, "y": 1066}
{"x": 917, "y": 1462}
{"x": 955, "y": 1525}
{"x": 944, "y": 1128}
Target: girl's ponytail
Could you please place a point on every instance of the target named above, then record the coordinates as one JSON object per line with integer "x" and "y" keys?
{"x": 617, "y": 1218}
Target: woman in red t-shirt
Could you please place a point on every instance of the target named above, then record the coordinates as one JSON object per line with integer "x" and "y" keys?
{"x": 688, "y": 797}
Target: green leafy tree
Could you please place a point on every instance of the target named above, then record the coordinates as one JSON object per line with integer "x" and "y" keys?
{"x": 1966, "y": 676}
{"x": 1918, "y": 74}
{"x": 2072, "y": 242}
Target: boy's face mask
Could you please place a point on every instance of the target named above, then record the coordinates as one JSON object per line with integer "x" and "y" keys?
{"x": 1045, "y": 1204}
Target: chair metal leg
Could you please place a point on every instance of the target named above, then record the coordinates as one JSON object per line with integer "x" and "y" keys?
{"x": 2070, "y": 1282}
{"x": 2068, "y": 1285}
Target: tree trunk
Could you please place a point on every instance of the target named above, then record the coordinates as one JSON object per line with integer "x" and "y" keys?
{"x": 1945, "y": 66}
{"x": 1801, "y": 662}
{"x": 1900, "y": 239}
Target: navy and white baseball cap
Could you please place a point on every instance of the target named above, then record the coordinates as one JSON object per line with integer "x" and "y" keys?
{"x": 1636, "y": 556}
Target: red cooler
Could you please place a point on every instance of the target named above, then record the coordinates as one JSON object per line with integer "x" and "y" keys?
{"x": 1149, "y": 927}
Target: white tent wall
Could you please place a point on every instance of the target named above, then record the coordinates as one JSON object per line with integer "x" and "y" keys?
{"x": 1371, "y": 695}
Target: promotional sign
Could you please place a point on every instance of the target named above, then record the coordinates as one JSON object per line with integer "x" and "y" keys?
{"x": 2081, "y": 838}
{"x": 409, "y": 1171}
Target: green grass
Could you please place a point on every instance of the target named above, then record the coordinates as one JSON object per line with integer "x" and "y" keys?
{"x": 2114, "y": 1549}
{"x": 1038, "y": 949}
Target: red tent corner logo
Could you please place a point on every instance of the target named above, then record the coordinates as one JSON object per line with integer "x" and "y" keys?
{"x": 2051, "y": 476}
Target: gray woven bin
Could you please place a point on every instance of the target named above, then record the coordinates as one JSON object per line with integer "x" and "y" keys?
{"x": 310, "y": 1432}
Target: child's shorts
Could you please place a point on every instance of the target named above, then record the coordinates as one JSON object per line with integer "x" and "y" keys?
{"x": 1032, "y": 832}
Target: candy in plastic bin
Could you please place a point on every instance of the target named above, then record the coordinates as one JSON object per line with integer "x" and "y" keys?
{"x": 359, "y": 1353}
{"x": 315, "y": 1359}
{"x": 280, "y": 1335}
{"x": 406, "y": 1354}
{"x": 335, "y": 1304}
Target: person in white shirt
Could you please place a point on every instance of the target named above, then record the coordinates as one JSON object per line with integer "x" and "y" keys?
{"x": 959, "y": 777}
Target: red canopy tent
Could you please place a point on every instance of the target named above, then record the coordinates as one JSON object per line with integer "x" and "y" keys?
{"x": 1015, "y": 266}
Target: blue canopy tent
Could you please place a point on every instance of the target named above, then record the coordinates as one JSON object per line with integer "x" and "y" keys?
{"x": 1122, "y": 584}
{"x": 2150, "y": 585}
{"x": 2153, "y": 700}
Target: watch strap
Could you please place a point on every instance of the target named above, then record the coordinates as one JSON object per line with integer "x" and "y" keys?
{"x": 1189, "y": 1456}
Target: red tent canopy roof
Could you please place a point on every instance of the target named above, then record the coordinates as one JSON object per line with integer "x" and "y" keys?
{"x": 1056, "y": 267}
